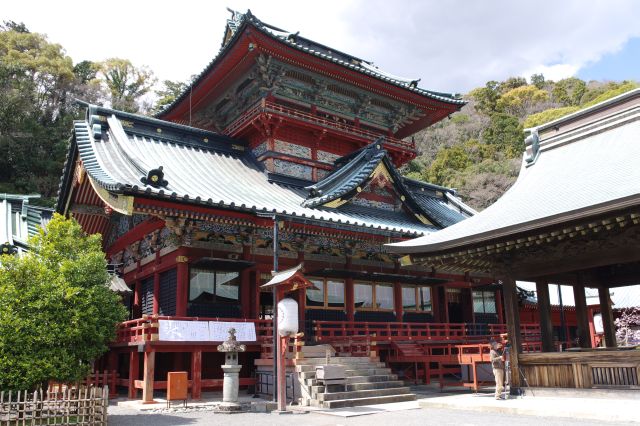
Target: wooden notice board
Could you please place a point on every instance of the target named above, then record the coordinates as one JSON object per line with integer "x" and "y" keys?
{"x": 177, "y": 386}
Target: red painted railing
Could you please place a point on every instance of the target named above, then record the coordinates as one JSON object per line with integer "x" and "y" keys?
{"x": 329, "y": 331}
{"x": 145, "y": 329}
{"x": 269, "y": 107}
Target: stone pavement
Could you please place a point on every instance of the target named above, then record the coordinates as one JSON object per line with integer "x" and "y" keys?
{"x": 575, "y": 407}
{"x": 610, "y": 406}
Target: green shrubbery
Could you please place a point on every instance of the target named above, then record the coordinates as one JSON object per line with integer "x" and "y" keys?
{"x": 57, "y": 314}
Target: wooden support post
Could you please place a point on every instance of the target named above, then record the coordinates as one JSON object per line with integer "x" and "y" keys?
{"x": 427, "y": 373}
{"x": 607, "y": 318}
{"x": 513, "y": 329}
{"x": 350, "y": 299}
{"x": 134, "y": 363}
{"x": 148, "y": 379}
{"x": 397, "y": 302}
{"x": 499, "y": 310}
{"x": 112, "y": 360}
{"x": 584, "y": 338}
{"x": 544, "y": 310}
{"x": 245, "y": 284}
{"x": 196, "y": 375}
{"x": 182, "y": 286}
{"x": 156, "y": 293}
{"x": 435, "y": 304}
{"x": 137, "y": 300}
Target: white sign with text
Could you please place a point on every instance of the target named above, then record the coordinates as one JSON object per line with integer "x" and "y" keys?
{"x": 219, "y": 331}
{"x": 204, "y": 331}
{"x": 183, "y": 331}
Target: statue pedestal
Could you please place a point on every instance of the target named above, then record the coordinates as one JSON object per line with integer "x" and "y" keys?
{"x": 231, "y": 383}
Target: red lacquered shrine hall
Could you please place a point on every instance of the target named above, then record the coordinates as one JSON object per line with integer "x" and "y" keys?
{"x": 275, "y": 126}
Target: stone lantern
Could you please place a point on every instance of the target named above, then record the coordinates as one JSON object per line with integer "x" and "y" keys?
{"x": 231, "y": 370}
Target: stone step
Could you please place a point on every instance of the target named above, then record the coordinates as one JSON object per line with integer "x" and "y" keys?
{"x": 368, "y": 401}
{"x": 312, "y": 367}
{"x": 351, "y": 373}
{"x": 333, "y": 396}
{"x": 355, "y": 379}
{"x": 344, "y": 360}
{"x": 371, "y": 378}
{"x": 317, "y": 350}
{"x": 359, "y": 386}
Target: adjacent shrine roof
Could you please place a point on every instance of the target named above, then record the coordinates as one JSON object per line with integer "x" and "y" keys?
{"x": 235, "y": 27}
{"x": 134, "y": 155}
{"x": 575, "y": 167}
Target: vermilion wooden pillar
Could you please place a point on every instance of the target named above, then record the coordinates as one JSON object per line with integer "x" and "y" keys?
{"x": 137, "y": 300}
{"x": 196, "y": 375}
{"x": 544, "y": 310}
{"x": 245, "y": 285}
{"x": 134, "y": 366}
{"x": 435, "y": 304}
{"x": 112, "y": 360}
{"x": 350, "y": 299}
{"x": 156, "y": 293}
{"x": 256, "y": 306}
{"x": 499, "y": 309}
{"x": 182, "y": 286}
{"x": 467, "y": 305}
{"x": 397, "y": 301}
{"x": 149, "y": 372}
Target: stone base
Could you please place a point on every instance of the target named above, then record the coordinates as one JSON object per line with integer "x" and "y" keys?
{"x": 228, "y": 407}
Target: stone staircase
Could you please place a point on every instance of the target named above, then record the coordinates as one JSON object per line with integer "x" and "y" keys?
{"x": 368, "y": 382}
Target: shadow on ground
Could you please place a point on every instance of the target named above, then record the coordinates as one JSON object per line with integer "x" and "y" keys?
{"x": 149, "y": 419}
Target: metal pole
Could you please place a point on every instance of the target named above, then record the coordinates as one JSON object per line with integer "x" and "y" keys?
{"x": 276, "y": 340}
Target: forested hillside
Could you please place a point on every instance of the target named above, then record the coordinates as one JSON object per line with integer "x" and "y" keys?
{"x": 479, "y": 149}
{"x": 476, "y": 151}
{"x": 39, "y": 84}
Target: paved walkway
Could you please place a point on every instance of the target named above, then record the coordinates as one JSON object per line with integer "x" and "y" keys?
{"x": 455, "y": 407}
{"x": 601, "y": 406}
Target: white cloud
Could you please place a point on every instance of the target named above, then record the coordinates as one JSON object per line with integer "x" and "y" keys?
{"x": 452, "y": 45}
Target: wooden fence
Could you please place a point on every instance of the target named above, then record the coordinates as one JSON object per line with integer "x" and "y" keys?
{"x": 95, "y": 379}
{"x": 69, "y": 406}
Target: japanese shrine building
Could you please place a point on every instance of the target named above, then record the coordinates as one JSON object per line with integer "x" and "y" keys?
{"x": 282, "y": 129}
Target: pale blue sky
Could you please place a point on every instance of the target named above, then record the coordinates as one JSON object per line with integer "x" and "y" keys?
{"x": 452, "y": 45}
{"x": 621, "y": 65}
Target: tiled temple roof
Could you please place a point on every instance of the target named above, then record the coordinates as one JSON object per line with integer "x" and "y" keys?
{"x": 588, "y": 168}
{"x": 239, "y": 21}
{"x": 122, "y": 153}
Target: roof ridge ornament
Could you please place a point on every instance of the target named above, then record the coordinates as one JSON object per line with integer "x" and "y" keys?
{"x": 532, "y": 147}
{"x": 155, "y": 178}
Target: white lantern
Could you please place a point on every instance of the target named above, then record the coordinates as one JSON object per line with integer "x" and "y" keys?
{"x": 287, "y": 317}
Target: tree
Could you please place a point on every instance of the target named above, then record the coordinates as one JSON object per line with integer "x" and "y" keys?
{"x": 169, "y": 93}
{"x": 486, "y": 97}
{"x": 569, "y": 91}
{"x": 628, "y": 327}
{"x": 538, "y": 80}
{"x": 506, "y": 132}
{"x": 447, "y": 160}
{"x": 36, "y": 111}
{"x": 126, "y": 83}
{"x": 521, "y": 100}
{"x": 57, "y": 314}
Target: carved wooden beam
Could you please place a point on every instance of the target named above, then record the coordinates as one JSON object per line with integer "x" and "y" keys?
{"x": 89, "y": 209}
